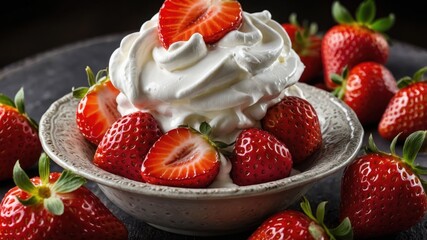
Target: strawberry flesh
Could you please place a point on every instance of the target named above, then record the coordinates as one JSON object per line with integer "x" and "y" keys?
{"x": 181, "y": 158}
{"x": 180, "y": 19}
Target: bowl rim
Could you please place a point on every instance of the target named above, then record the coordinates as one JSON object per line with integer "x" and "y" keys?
{"x": 121, "y": 183}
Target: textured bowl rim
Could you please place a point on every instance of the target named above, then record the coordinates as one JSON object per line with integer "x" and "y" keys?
{"x": 114, "y": 181}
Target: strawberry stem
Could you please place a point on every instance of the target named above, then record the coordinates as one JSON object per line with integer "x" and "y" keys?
{"x": 365, "y": 16}
{"x": 46, "y": 193}
{"x": 343, "y": 231}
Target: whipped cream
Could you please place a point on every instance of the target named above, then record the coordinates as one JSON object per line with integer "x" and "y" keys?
{"x": 229, "y": 84}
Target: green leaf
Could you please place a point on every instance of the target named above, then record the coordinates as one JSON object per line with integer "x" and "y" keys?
{"x": 306, "y": 208}
{"x": 68, "y": 182}
{"x": 221, "y": 145}
{"x": 33, "y": 200}
{"x": 33, "y": 122}
{"x": 341, "y": 14}
{"x": 418, "y": 76}
{"x": 320, "y": 212}
{"x": 372, "y": 147}
{"x": 22, "y": 180}
{"x": 44, "y": 168}
{"x": 90, "y": 76}
{"x": 393, "y": 145}
{"x": 412, "y": 146}
{"x": 404, "y": 82}
{"x": 420, "y": 170}
{"x": 80, "y": 92}
{"x": 345, "y": 72}
{"x": 102, "y": 75}
{"x": 19, "y": 100}
{"x": 344, "y": 231}
{"x": 313, "y": 29}
{"x": 365, "y": 13}
{"x": 299, "y": 38}
{"x": 6, "y": 100}
{"x": 337, "y": 79}
{"x": 205, "y": 128}
{"x": 293, "y": 19}
{"x": 54, "y": 205}
{"x": 383, "y": 24}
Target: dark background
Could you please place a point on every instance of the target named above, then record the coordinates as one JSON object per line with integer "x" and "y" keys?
{"x": 34, "y": 26}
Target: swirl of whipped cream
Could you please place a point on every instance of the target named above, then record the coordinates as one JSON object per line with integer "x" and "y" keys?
{"x": 229, "y": 84}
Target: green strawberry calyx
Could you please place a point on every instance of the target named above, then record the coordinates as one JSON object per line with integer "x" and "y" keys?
{"x": 365, "y": 16}
{"x": 101, "y": 77}
{"x": 47, "y": 193}
{"x": 19, "y": 104}
{"x": 318, "y": 227}
{"x": 411, "y": 147}
{"x": 205, "y": 130}
{"x": 341, "y": 82}
{"x": 303, "y": 42}
{"x": 417, "y": 77}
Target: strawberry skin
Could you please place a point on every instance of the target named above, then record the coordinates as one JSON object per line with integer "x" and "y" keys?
{"x": 348, "y": 45}
{"x": 307, "y": 45}
{"x": 85, "y": 217}
{"x": 180, "y": 19}
{"x": 367, "y": 90}
{"x": 406, "y": 112}
{"x": 259, "y": 157}
{"x": 18, "y": 140}
{"x": 125, "y": 144}
{"x": 381, "y": 196}
{"x": 294, "y": 122}
{"x": 287, "y": 224}
{"x": 381, "y": 193}
{"x": 182, "y": 157}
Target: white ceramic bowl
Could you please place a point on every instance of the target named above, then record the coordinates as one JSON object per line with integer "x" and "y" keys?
{"x": 205, "y": 211}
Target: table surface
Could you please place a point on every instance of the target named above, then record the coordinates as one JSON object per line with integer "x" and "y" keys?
{"x": 51, "y": 75}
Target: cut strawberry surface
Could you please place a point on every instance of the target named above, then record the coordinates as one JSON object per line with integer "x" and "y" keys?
{"x": 180, "y": 19}
{"x": 181, "y": 158}
{"x": 97, "y": 109}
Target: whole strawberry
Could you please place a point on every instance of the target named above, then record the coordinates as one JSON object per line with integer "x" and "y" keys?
{"x": 352, "y": 42}
{"x": 407, "y": 110}
{"x": 55, "y": 206}
{"x": 306, "y": 44}
{"x": 381, "y": 192}
{"x": 259, "y": 157}
{"x": 294, "y": 122}
{"x": 97, "y": 108}
{"x": 295, "y": 225}
{"x": 19, "y": 138}
{"x": 125, "y": 144}
{"x": 183, "y": 157}
{"x": 367, "y": 89}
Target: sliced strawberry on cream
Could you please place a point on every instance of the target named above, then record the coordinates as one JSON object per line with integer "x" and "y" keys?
{"x": 180, "y": 19}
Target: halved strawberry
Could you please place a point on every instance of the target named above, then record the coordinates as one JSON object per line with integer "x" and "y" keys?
{"x": 180, "y": 19}
{"x": 97, "y": 109}
{"x": 182, "y": 157}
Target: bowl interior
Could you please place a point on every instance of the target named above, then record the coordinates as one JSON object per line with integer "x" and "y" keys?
{"x": 342, "y": 138}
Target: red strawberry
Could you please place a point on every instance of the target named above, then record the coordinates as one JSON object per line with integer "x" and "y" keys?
{"x": 180, "y": 19}
{"x": 294, "y": 122}
{"x": 382, "y": 193}
{"x": 97, "y": 109}
{"x": 126, "y": 143}
{"x": 367, "y": 89}
{"x": 259, "y": 157}
{"x": 352, "y": 42}
{"x": 182, "y": 157}
{"x": 55, "y": 206}
{"x": 295, "y": 225}
{"x": 306, "y": 44}
{"x": 18, "y": 135}
{"x": 407, "y": 111}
